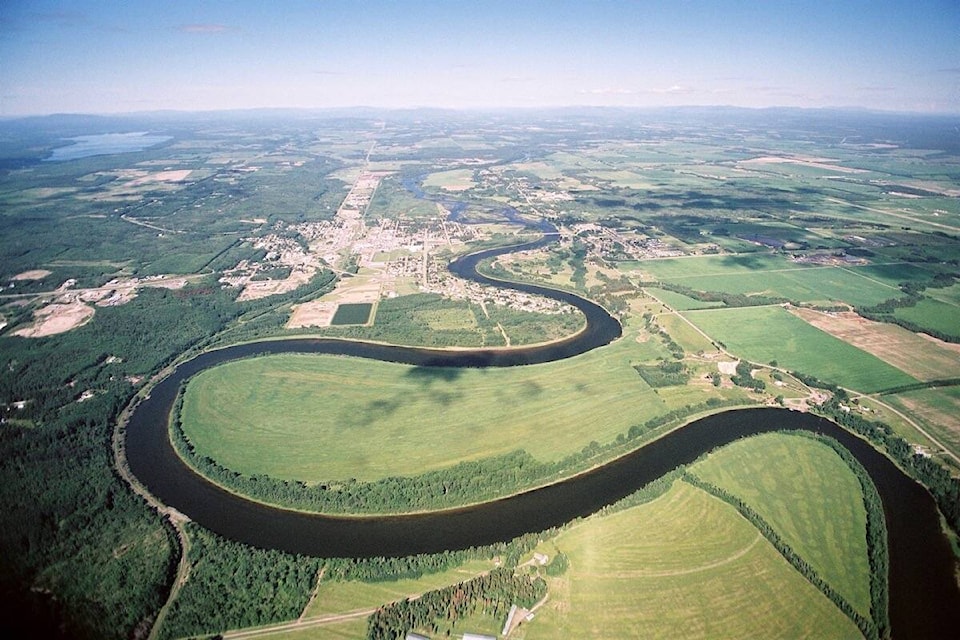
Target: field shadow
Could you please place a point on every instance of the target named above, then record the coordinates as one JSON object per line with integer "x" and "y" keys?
{"x": 429, "y": 375}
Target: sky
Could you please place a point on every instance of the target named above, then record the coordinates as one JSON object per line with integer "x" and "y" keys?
{"x": 88, "y": 56}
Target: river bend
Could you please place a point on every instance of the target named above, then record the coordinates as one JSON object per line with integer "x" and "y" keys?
{"x": 924, "y": 597}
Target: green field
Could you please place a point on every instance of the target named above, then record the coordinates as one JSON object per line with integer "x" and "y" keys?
{"x": 341, "y": 597}
{"x": 764, "y": 334}
{"x": 681, "y": 302}
{"x": 813, "y": 501}
{"x": 684, "y": 566}
{"x": 685, "y": 335}
{"x": 324, "y": 417}
{"x": 353, "y": 313}
{"x": 933, "y": 315}
{"x": 772, "y": 276}
{"x": 936, "y": 409}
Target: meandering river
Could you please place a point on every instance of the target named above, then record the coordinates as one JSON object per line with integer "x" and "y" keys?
{"x": 924, "y": 597}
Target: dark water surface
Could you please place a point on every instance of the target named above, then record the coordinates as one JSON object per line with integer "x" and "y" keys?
{"x": 924, "y": 597}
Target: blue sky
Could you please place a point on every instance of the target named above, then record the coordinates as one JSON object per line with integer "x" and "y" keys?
{"x": 105, "y": 57}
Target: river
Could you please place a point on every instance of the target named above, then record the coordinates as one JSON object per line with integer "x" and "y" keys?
{"x": 924, "y": 597}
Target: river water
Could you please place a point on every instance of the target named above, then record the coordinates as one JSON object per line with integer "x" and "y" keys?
{"x": 924, "y": 597}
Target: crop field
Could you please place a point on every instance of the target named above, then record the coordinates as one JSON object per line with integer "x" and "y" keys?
{"x": 679, "y": 269}
{"x": 893, "y": 273}
{"x": 679, "y": 301}
{"x": 826, "y": 285}
{"x": 937, "y": 409}
{"x": 455, "y": 180}
{"x": 322, "y": 417}
{"x": 350, "y": 629}
{"x": 764, "y": 334}
{"x": 352, "y": 313}
{"x": 921, "y": 357}
{"x": 685, "y": 565}
{"x": 772, "y": 275}
{"x": 934, "y": 315}
{"x": 813, "y": 501}
{"x": 335, "y": 598}
{"x": 950, "y": 295}
{"x": 685, "y": 335}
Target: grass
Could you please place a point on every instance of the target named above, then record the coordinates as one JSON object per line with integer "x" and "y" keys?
{"x": 763, "y": 334}
{"x": 352, "y": 313}
{"x": 683, "y": 566}
{"x": 316, "y": 418}
{"x": 933, "y": 314}
{"x": 342, "y": 597}
{"x": 685, "y": 335}
{"x": 768, "y": 275}
{"x": 936, "y": 410}
{"x": 346, "y": 629}
{"x": 812, "y": 500}
{"x": 454, "y": 180}
{"x": 679, "y": 301}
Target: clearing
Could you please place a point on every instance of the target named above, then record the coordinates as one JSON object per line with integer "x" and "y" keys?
{"x": 56, "y": 318}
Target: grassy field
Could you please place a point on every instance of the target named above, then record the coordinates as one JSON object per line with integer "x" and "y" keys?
{"x": 683, "y": 566}
{"x": 342, "y": 597}
{"x": 685, "y": 335}
{"x": 937, "y": 411}
{"x": 912, "y": 353}
{"x": 681, "y": 302}
{"x": 813, "y": 501}
{"x": 454, "y": 180}
{"x": 764, "y": 334}
{"x": 768, "y": 275}
{"x": 355, "y": 313}
{"x": 325, "y": 417}
{"x": 933, "y": 314}
{"x": 351, "y": 629}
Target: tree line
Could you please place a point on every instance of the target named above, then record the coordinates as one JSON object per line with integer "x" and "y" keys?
{"x": 464, "y": 483}
{"x": 491, "y": 594}
{"x": 866, "y": 626}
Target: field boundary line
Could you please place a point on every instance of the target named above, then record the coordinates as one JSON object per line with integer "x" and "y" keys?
{"x": 296, "y": 625}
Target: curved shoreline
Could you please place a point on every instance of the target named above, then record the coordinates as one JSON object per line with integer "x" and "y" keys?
{"x": 924, "y": 598}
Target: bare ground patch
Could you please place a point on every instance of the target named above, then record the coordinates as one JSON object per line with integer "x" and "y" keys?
{"x": 317, "y": 313}
{"x": 56, "y": 318}
{"x": 256, "y": 289}
{"x": 922, "y": 358}
{"x": 35, "y": 274}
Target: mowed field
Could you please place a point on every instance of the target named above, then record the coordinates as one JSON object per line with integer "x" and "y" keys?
{"x": 934, "y": 315}
{"x": 771, "y": 275}
{"x": 313, "y": 418}
{"x": 764, "y": 334}
{"x": 813, "y": 501}
{"x": 335, "y": 598}
{"x": 938, "y": 411}
{"x": 683, "y": 566}
{"x": 923, "y": 358}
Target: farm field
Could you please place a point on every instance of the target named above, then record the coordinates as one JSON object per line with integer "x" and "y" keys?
{"x": 933, "y": 315}
{"x": 923, "y": 358}
{"x": 769, "y": 275}
{"x": 315, "y": 418}
{"x": 353, "y": 313}
{"x": 679, "y": 301}
{"x": 937, "y": 409}
{"x": 335, "y": 598}
{"x": 350, "y": 629}
{"x": 824, "y": 208}
{"x": 683, "y": 566}
{"x": 765, "y": 334}
{"x": 812, "y": 501}
{"x": 687, "y": 336}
